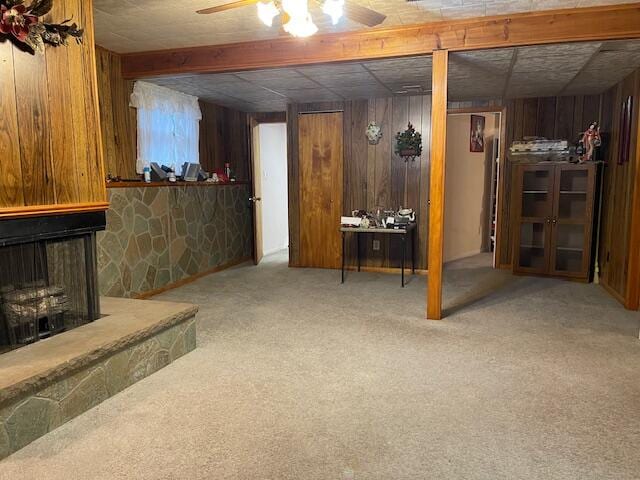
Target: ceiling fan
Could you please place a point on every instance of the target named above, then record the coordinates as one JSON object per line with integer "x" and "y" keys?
{"x": 295, "y": 15}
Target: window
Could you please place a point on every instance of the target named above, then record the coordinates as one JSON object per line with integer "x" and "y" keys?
{"x": 168, "y": 126}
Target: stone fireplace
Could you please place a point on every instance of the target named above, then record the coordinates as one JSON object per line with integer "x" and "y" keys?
{"x": 53, "y": 371}
{"x": 48, "y": 276}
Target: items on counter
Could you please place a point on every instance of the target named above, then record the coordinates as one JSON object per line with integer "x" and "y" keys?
{"x": 190, "y": 172}
{"x": 394, "y": 219}
{"x": 543, "y": 149}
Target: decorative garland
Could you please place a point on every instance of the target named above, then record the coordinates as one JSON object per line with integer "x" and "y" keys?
{"x": 22, "y": 23}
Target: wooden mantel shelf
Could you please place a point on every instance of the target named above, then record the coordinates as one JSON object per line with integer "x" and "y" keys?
{"x": 59, "y": 209}
{"x": 172, "y": 184}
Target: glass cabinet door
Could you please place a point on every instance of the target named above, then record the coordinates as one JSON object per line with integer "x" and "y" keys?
{"x": 534, "y": 212}
{"x": 571, "y": 220}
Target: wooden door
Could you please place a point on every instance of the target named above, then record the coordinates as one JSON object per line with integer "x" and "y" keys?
{"x": 256, "y": 198}
{"x": 534, "y": 211}
{"x": 572, "y": 220}
{"x": 321, "y": 158}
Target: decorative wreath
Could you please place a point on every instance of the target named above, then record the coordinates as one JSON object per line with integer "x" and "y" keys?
{"x": 22, "y": 23}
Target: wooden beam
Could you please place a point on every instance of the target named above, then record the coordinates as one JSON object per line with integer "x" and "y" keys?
{"x": 532, "y": 28}
{"x": 436, "y": 186}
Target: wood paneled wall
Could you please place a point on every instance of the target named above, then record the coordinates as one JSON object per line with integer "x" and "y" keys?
{"x": 50, "y": 152}
{"x": 224, "y": 137}
{"x": 551, "y": 117}
{"x": 373, "y": 175}
{"x": 617, "y": 196}
{"x": 117, "y": 118}
{"x": 223, "y": 131}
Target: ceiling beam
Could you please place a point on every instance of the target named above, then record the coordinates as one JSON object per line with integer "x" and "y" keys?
{"x": 532, "y": 28}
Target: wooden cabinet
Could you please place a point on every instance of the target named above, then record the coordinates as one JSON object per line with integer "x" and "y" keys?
{"x": 554, "y": 209}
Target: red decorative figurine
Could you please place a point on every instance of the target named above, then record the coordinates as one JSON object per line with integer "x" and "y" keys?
{"x": 590, "y": 140}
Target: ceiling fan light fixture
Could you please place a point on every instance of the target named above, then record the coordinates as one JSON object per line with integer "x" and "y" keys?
{"x": 300, "y": 26}
{"x": 267, "y": 11}
{"x": 335, "y": 9}
{"x": 296, "y": 8}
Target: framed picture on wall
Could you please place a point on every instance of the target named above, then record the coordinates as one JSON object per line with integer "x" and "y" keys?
{"x": 626, "y": 116}
{"x": 477, "y": 133}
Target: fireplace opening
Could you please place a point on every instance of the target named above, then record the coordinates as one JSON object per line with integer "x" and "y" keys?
{"x": 48, "y": 284}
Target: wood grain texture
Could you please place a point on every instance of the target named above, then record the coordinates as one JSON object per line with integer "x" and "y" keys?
{"x": 117, "y": 119}
{"x": 62, "y": 142}
{"x": 321, "y": 183}
{"x": 11, "y": 193}
{"x": 49, "y": 122}
{"x": 33, "y": 130}
{"x": 43, "y": 210}
{"x": 632, "y": 294}
{"x": 544, "y": 27}
{"x": 436, "y": 183}
{"x": 224, "y": 137}
{"x": 373, "y": 173}
{"x": 619, "y": 235}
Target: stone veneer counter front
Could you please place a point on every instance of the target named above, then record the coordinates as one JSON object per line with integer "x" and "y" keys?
{"x": 158, "y": 236}
{"x": 48, "y": 383}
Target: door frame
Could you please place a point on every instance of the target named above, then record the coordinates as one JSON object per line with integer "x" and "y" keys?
{"x": 502, "y": 111}
{"x": 254, "y": 120}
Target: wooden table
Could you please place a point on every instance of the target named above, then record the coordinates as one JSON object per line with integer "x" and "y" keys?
{"x": 410, "y": 229}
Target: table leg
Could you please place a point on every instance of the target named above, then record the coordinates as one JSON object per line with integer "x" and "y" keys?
{"x": 404, "y": 249}
{"x": 358, "y": 248}
{"x": 343, "y": 254}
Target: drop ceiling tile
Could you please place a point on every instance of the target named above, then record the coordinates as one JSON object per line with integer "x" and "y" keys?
{"x": 335, "y": 69}
{"x": 346, "y": 80}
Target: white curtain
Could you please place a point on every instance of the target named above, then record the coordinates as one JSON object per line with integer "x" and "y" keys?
{"x": 168, "y": 126}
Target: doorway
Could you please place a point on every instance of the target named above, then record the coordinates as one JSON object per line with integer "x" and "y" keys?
{"x": 270, "y": 188}
{"x": 472, "y": 173}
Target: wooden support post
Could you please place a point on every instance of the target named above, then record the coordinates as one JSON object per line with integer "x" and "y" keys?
{"x": 436, "y": 186}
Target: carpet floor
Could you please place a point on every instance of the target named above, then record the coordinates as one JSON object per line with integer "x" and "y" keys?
{"x": 298, "y": 377}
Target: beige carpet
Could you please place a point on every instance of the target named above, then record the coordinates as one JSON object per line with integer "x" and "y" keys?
{"x": 299, "y": 377}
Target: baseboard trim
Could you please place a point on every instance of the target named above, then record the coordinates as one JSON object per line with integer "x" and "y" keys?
{"x": 612, "y": 292}
{"x": 192, "y": 278}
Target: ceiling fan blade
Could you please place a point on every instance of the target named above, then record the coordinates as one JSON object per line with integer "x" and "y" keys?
{"x": 362, "y": 15}
{"x": 227, "y": 6}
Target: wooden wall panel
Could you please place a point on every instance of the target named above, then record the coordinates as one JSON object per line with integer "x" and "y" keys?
{"x": 118, "y": 119}
{"x": 617, "y": 239}
{"x": 50, "y": 132}
{"x": 33, "y": 128}
{"x": 224, "y": 137}
{"x": 373, "y": 175}
{"x": 11, "y": 193}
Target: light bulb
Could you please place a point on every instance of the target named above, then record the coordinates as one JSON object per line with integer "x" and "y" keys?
{"x": 300, "y": 26}
{"x": 296, "y": 8}
{"x": 334, "y": 8}
{"x": 267, "y": 12}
